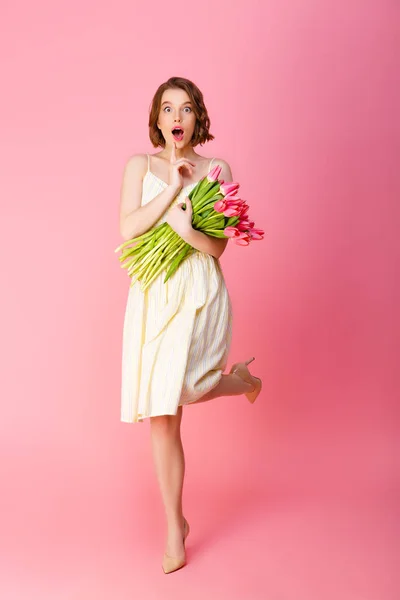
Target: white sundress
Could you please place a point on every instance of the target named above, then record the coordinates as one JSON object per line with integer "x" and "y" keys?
{"x": 176, "y": 335}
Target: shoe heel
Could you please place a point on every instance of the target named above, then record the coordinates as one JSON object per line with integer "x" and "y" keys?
{"x": 251, "y": 396}
{"x": 238, "y": 367}
{"x": 186, "y": 530}
{"x": 247, "y": 362}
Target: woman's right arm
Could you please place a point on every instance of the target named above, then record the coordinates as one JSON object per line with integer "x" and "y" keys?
{"x": 136, "y": 219}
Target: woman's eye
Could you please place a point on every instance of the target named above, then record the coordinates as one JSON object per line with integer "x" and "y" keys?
{"x": 165, "y": 108}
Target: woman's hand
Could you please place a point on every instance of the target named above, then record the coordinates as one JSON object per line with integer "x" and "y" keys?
{"x": 180, "y": 219}
{"x": 174, "y": 175}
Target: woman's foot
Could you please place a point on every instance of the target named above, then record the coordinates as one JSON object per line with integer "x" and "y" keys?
{"x": 172, "y": 563}
{"x": 175, "y": 556}
{"x": 242, "y": 370}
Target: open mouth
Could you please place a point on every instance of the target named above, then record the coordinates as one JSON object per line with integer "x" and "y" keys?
{"x": 177, "y": 133}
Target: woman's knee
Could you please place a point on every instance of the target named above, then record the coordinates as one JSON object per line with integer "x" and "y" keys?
{"x": 166, "y": 424}
{"x": 161, "y": 421}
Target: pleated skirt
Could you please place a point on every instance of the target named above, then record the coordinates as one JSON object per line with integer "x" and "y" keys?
{"x": 176, "y": 339}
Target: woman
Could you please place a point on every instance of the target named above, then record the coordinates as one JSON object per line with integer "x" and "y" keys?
{"x": 177, "y": 334}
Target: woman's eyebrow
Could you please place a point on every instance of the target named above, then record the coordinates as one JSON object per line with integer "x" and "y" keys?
{"x": 169, "y": 102}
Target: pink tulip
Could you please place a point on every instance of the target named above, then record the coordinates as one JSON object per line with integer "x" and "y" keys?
{"x": 214, "y": 173}
{"x": 223, "y": 205}
{"x": 256, "y": 234}
{"x": 229, "y": 188}
{"x": 245, "y": 208}
{"x": 232, "y": 211}
{"x": 233, "y": 197}
{"x": 242, "y": 241}
{"x": 220, "y": 206}
{"x": 231, "y": 232}
{"x": 243, "y": 225}
{"x": 233, "y": 208}
{"x": 235, "y": 203}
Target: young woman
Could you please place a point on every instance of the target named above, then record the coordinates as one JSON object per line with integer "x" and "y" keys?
{"x": 176, "y": 335}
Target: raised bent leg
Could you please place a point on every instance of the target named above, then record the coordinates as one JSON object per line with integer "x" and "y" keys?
{"x": 229, "y": 385}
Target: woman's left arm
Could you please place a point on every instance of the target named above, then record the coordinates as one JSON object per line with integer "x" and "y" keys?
{"x": 201, "y": 241}
{"x": 204, "y": 242}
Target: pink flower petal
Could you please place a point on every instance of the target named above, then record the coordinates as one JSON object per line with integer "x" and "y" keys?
{"x": 231, "y": 212}
{"x": 233, "y": 196}
{"x": 214, "y": 173}
{"x": 220, "y": 206}
{"x": 231, "y": 232}
{"x": 233, "y": 202}
{"x": 229, "y": 188}
{"x": 243, "y": 225}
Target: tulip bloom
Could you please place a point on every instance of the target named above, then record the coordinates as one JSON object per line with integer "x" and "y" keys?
{"x": 256, "y": 234}
{"x": 244, "y": 211}
{"x": 245, "y": 224}
{"x": 213, "y": 175}
{"x": 232, "y": 211}
{"x": 229, "y": 189}
{"x": 230, "y": 208}
{"x": 233, "y": 232}
{"x": 220, "y": 206}
{"x": 245, "y": 241}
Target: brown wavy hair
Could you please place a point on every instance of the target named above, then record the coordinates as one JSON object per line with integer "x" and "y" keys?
{"x": 201, "y": 132}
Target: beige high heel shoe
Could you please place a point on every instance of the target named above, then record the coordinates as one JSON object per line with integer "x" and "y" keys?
{"x": 243, "y": 372}
{"x": 173, "y": 563}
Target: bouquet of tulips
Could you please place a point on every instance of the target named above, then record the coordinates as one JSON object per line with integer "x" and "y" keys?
{"x": 217, "y": 211}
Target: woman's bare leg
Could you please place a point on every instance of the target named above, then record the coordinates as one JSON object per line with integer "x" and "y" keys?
{"x": 169, "y": 458}
{"x": 229, "y": 385}
{"x": 169, "y": 461}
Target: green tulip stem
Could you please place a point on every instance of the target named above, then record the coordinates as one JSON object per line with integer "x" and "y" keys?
{"x": 151, "y": 275}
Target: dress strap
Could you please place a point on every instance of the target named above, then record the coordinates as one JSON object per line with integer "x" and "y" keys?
{"x": 148, "y": 162}
{"x": 209, "y": 168}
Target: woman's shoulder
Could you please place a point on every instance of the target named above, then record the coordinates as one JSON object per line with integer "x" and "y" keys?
{"x": 219, "y": 161}
{"x": 137, "y": 159}
{"x": 137, "y": 163}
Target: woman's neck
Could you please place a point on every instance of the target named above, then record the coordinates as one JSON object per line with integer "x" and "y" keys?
{"x": 186, "y": 152}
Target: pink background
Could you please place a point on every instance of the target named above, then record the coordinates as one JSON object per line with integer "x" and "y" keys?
{"x": 292, "y": 498}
